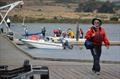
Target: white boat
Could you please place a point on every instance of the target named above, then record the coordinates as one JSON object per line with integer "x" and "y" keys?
{"x": 42, "y": 44}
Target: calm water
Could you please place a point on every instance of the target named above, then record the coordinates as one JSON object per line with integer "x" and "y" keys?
{"x": 112, "y": 31}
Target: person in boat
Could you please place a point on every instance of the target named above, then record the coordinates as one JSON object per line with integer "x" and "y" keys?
{"x": 97, "y": 34}
{"x": 81, "y": 33}
{"x": 64, "y": 34}
{"x": 26, "y": 32}
{"x": 57, "y": 32}
{"x": 43, "y": 32}
{"x": 71, "y": 34}
{"x": 68, "y": 31}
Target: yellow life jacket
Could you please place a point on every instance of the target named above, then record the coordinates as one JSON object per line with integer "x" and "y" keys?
{"x": 71, "y": 34}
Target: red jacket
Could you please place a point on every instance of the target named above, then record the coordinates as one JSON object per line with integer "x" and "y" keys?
{"x": 99, "y": 36}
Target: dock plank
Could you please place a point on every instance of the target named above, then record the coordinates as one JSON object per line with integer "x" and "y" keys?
{"x": 84, "y": 72}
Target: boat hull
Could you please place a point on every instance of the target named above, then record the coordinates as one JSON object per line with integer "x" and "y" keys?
{"x": 42, "y": 44}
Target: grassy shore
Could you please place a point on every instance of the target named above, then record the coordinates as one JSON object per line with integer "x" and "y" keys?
{"x": 36, "y": 16}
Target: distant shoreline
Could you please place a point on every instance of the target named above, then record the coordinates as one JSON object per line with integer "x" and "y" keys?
{"x": 42, "y": 20}
{"x": 63, "y": 21}
{"x": 35, "y": 16}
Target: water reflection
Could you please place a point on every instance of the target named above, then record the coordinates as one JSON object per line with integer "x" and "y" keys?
{"x": 112, "y": 30}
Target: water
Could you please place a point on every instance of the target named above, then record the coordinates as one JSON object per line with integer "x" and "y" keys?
{"x": 112, "y": 31}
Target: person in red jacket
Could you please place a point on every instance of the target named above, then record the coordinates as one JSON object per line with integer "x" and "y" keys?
{"x": 97, "y": 34}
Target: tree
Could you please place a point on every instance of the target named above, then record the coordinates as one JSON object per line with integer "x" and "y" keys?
{"x": 63, "y": 1}
{"x": 88, "y": 6}
{"x": 107, "y": 7}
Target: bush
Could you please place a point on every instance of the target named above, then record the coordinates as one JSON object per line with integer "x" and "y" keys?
{"x": 114, "y": 19}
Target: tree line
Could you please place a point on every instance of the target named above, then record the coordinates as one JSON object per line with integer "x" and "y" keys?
{"x": 100, "y": 7}
{"x": 93, "y": 5}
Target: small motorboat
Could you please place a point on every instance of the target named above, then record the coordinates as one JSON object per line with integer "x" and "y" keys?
{"x": 41, "y": 43}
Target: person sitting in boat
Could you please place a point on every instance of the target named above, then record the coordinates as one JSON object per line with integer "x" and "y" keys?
{"x": 81, "y": 33}
{"x": 68, "y": 30}
{"x": 71, "y": 34}
{"x": 64, "y": 34}
{"x": 34, "y": 37}
{"x": 57, "y": 32}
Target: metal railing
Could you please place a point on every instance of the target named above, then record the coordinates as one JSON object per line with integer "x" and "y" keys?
{"x": 24, "y": 72}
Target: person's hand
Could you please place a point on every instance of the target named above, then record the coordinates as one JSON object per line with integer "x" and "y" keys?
{"x": 107, "y": 46}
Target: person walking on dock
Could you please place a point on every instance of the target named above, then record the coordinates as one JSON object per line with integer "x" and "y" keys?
{"x": 97, "y": 34}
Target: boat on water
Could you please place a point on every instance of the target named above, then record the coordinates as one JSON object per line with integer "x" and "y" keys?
{"x": 41, "y": 43}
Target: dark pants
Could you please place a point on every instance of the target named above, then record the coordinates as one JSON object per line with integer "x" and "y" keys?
{"x": 96, "y": 53}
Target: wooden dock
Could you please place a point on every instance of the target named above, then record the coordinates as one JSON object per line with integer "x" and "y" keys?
{"x": 11, "y": 56}
{"x": 84, "y": 72}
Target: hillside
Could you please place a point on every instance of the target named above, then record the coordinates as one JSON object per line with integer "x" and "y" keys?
{"x": 53, "y": 11}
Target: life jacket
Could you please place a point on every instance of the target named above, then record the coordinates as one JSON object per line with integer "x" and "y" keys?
{"x": 34, "y": 37}
{"x": 57, "y": 32}
{"x": 71, "y": 34}
{"x": 99, "y": 37}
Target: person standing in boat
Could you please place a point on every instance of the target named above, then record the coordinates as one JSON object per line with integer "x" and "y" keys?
{"x": 59, "y": 32}
{"x": 43, "y": 32}
{"x": 97, "y": 34}
{"x": 81, "y": 33}
{"x": 26, "y": 31}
